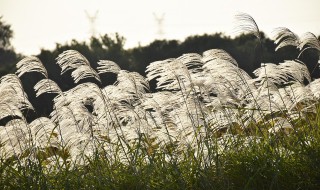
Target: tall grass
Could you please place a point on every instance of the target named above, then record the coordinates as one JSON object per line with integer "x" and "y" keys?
{"x": 209, "y": 126}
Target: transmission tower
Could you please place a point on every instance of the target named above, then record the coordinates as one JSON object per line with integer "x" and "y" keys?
{"x": 159, "y": 20}
{"x": 92, "y": 20}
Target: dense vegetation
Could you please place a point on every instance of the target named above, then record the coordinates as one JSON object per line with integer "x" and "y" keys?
{"x": 211, "y": 120}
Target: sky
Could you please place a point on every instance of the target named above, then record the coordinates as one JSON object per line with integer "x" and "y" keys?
{"x": 43, "y": 23}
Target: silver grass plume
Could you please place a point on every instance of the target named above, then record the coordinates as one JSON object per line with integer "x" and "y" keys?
{"x": 266, "y": 98}
{"x": 158, "y": 106}
{"x": 192, "y": 61}
{"x": 167, "y": 116}
{"x": 170, "y": 74}
{"x": 214, "y": 54}
{"x": 122, "y": 105}
{"x": 219, "y": 65}
{"x": 11, "y": 92}
{"x": 15, "y": 138}
{"x": 296, "y": 70}
{"x": 73, "y": 60}
{"x": 283, "y": 73}
{"x": 30, "y": 64}
{"x": 75, "y": 100}
{"x": 44, "y": 133}
{"x": 84, "y": 71}
{"x": 155, "y": 69}
{"x": 79, "y": 94}
{"x": 46, "y": 86}
{"x": 301, "y": 96}
{"x": 282, "y": 100}
{"x": 285, "y": 37}
{"x": 287, "y": 98}
{"x": 7, "y": 110}
{"x": 223, "y": 78}
{"x": 310, "y": 40}
{"x": 315, "y": 88}
{"x": 119, "y": 101}
{"x": 81, "y": 147}
{"x": 194, "y": 78}
{"x": 270, "y": 72}
{"x": 106, "y": 66}
{"x": 132, "y": 82}
{"x": 246, "y": 24}
{"x": 74, "y": 118}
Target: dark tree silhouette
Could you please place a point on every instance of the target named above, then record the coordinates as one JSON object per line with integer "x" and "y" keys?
{"x": 8, "y": 57}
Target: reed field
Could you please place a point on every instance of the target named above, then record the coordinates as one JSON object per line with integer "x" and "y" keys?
{"x": 209, "y": 125}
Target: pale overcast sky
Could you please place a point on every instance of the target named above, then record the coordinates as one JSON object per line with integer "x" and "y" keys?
{"x": 42, "y": 23}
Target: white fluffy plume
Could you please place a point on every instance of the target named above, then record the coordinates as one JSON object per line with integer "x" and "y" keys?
{"x": 30, "y": 64}
{"x": 46, "y": 86}
{"x": 73, "y": 60}
{"x": 284, "y": 37}
{"x": 106, "y": 66}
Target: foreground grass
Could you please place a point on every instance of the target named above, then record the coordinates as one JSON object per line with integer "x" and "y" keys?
{"x": 271, "y": 162}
